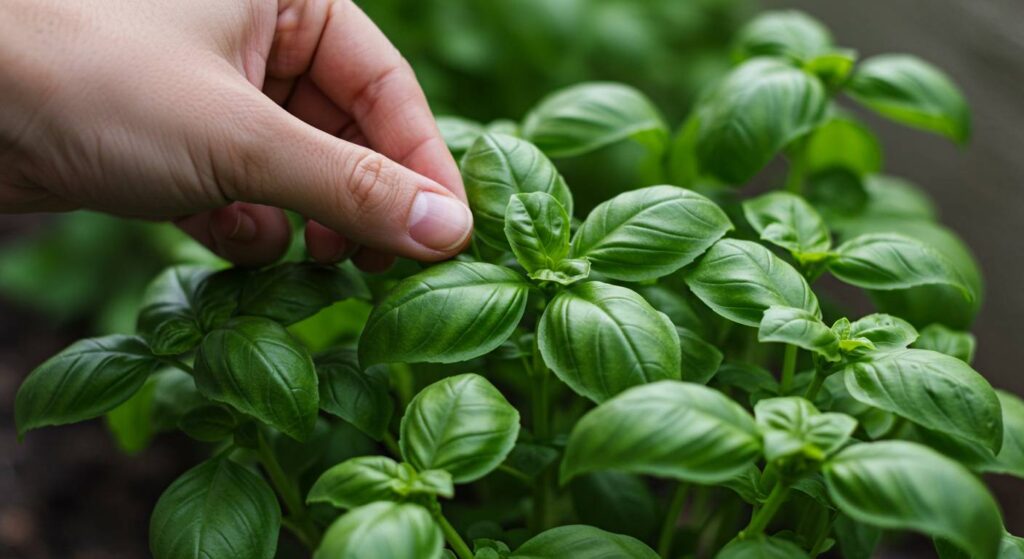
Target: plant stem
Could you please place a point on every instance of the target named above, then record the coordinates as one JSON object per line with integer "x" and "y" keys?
{"x": 515, "y": 473}
{"x": 797, "y": 168}
{"x": 788, "y": 368}
{"x": 540, "y": 401}
{"x": 300, "y": 523}
{"x": 392, "y": 445}
{"x": 453, "y": 538}
{"x": 668, "y": 528}
{"x": 765, "y": 514}
{"x": 815, "y": 387}
{"x": 181, "y": 366}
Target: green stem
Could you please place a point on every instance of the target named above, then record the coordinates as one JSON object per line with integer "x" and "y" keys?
{"x": 453, "y": 538}
{"x": 392, "y": 445}
{"x": 543, "y": 485}
{"x": 797, "y": 168}
{"x": 788, "y": 367}
{"x": 765, "y": 514}
{"x": 668, "y": 528}
{"x": 300, "y": 523}
{"x": 515, "y": 473}
{"x": 181, "y": 366}
{"x": 816, "y": 384}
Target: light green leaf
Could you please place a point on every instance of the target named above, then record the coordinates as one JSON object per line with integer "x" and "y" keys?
{"x": 648, "y": 233}
{"x": 392, "y": 530}
{"x": 566, "y": 272}
{"x": 356, "y": 482}
{"x": 255, "y": 366}
{"x": 458, "y": 133}
{"x": 891, "y": 261}
{"x": 427, "y": 482}
{"x": 131, "y": 423}
{"x": 360, "y": 397}
{"x": 601, "y": 339}
{"x": 461, "y": 424}
{"x": 901, "y": 485}
{"x": 582, "y": 541}
{"x": 290, "y": 292}
{"x": 798, "y": 327}
{"x": 793, "y": 426}
{"x": 761, "y": 547}
{"x": 699, "y": 359}
{"x": 884, "y": 331}
{"x": 788, "y": 221}
{"x": 739, "y": 280}
{"x": 785, "y": 33}
{"x": 498, "y": 166}
{"x": 447, "y": 313}
{"x": 584, "y": 117}
{"x": 911, "y": 91}
{"x": 537, "y": 229}
{"x": 833, "y": 68}
{"x": 937, "y": 337}
{"x": 85, "y": 380}
{"x": 216, "y": 509}
{"x": 672, "y": 429}
{"x": 845, "y": 143}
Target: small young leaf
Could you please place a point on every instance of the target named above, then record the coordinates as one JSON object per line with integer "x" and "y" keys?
{"x": 588, "y": 116}
{"x": 582, "y": 541}
{"x": 87, "y": 379}
{"x": 739, "y": 280}
{"x": 537, "y": 229}
{"x": 167, "y": 317}
{"x": 884, "y": 331}
{"x": 793, "y": 426}
{"x": 601, "y": 339}
{"x": 566, "y": 272}
{"x": 902, "y": 485}
{"x": 800, "y": 328}
{"x": 392, "y": 530}
{"x": 427, "y": 482}
{"x": 498, "y": 166}
{"x": 890, "y": 261}
{"x": 673, "y": 429}
{"x": 358, "y": 396}
{"x": 788, "y": 221}
{"x": 292, "y": 291}
{"x": 762, "y": 547}
{"x": 216, "y": 509}
{"x": 911, "y": 91}
{"x": 450, "y": 312}
{"x": 784, "y": 33}
{"x": 699, "y": 359}
{"x": 844, "y": 143}
{"x": 461, "y": 424}
{"x": 931, "y": 389}
{"x": 937, "y": 337}
{"x": 254, "y": 365}
{"x": 208, "y": 423}
{"x": 648, "y": 233}
{"x": 356, "y": 482}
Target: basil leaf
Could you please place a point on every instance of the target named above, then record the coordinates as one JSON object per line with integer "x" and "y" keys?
{"x": 582, "y": 541}
{"x": 833, "y": 68}
{"x": 615, "y": 501}
{"x": 601, "y": 339}
{"x": 356, "y": 482}
{"x": 392, "y": 530}
{"x": 739, "y": 280}
{"x": 255, "y": 366}
{"x": 458, "y": 133}
{"x": 216, "y": 509}
{"x": 208, "y": 423}
{"x": 673, "y": 429}
{"x": 785, "y": 33}
{"x": 937, "y": 337}
{"x": 450, "y": 312}
{"x": 498, "y": 166}
{"x": 890, "y": 261}
{"x": 793, "y": 426}
{"x": 461, "y": 424}
{"x": 358, "y": 396}
{"x": 131, "y": 423}
{"x": 931, "y": 389}
{"x": 167, "y": 317}
{"x": 648, "y": 233}
{"x": 1009, "y": 460}
{"x": 428, "y": 482}
{"x": 884, "y": 331}
{"x": 85, "y": 380}
{"x": 290, "y": 292}
{"x": 761, "y": 547}
{"x": 911, "y": 91}
{"x": 1011, "y": 547}
{"x": 856, "y": 540}
{"x": 844, "y": 143}
{"x": 755, "y": 111}
{"x": 675, "y": 306}
{"x": 588, "y": 116}
{"x": 788, "y": 221}
{"x": 531, "y": 459}
{"x": 800, "y": 328}
{"x": 566, "y": 272}
{"x": 896, "y": 485}
{"x": 537, "y": 229}
{"x": 699, "y": 360}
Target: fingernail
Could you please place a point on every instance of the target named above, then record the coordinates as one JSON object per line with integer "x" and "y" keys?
{"x": 237, "y": 226}
{"x": 439, "y": 222}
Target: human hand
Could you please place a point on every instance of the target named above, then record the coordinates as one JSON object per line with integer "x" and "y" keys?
{"x": 218, "y": 114}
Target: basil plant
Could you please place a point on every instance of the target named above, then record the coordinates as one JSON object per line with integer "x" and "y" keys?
{"x": 655, "y": 376}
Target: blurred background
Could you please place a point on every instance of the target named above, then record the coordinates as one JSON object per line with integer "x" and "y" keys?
{"x": 70, "y": 493}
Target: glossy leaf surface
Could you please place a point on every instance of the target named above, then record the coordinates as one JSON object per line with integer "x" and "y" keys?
{"x": 788, "y": 221}
{"x": 800, "y": 328}
{"x": 290, "y": 292}
{"x": 890, "y": 261}
{"x": 360, "y": 397}
{"x": 582, "y": 541}
{"x": 392, "y": 530}
{"x": 537, "y": 229}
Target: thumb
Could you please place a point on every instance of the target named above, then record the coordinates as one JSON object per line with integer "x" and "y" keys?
{"x": 355, "y": 191}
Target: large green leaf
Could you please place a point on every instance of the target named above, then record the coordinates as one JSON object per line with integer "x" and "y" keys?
{"x": 891, "y": 261}
{"x": 755, "y": 111}
{"x": 793, "y": 426}
{"x": 537, "y": 229}
{"x": 451, "y": 312}
{"x": 800, "y": 328}
{"x": 216, "y": 509}
{"x": 648, "y": 233}
{"x": 911, "y": 91}
{"x": 699, "y": 359}
{"x": 673, "y": 429}
{"x": 392, "y": 530}
{"x": 582, "y": 541}
{"x": 788, "y": 221}
{"x": 741, "y": 279}
{"x": 901, "y": 485}
{"x": 359, "y": 396}
{"x": 498, "y": 166}
{"x": 290, "y": 292}
{"x": 762, "y": 548}
{"x": 786, "y": 33}
{"x": 461, "y": 424}
{"x": 588, "y": 116}
{"x": 254, "y": 365}
{"x": 978, "y": 457}
{"x": 601, "y": 339}
{"x": 356, "y": 482}
{"x": 937, "y": 337}
{"x": 87, "y": 379}
{"x": 844, "y": 143}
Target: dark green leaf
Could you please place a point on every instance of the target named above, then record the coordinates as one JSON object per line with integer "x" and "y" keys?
{"x": 254, "y": 365}
{"x": 87, "y": 379}
{"x": 648, "y": 233}
{"x": 531, "y": 459}
{"x": 673, "y": 429}
{"x": 216, "y": 509}
{"x": 798, "y": 327}
{"x": 290, "y": 292}
{"x": 461, "y": 424}
{"x": 856, "y": 540}
{"x": 175, "y": 393}
{"x": 615, "y": 501}
{"x": 748, "y": 485}
{"x": 392, "y": 530}
{"x": 167, "y": 316}
{"x": 358, "y": 396}
{"x": 890, "y": 261}
{"x": 675, "y": 306}
{"x": 845, "y": 143}
{"x": 582, "y": 541}
{"x": 537, "y": 229}
{"x": 792, "y": 426}
{"x": 601, "y": 339}
{"x": 450, "y": 312}
{"x": 937, "y": 337}
{"x": 762, "y": 548}
{"x": 699, "y": 359}
{"x": 208, "y": 423}
{"x": 788, "y": 221}
{"x": 785, "y": 33}
{"x": 747, "y": 377}
{"x": 356, "y": 482}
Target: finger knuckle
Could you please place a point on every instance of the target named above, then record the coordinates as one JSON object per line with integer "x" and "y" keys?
{"x": 370, "y": 185}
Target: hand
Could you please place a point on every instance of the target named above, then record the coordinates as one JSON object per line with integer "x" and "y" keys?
{"x": 217, "y": 114}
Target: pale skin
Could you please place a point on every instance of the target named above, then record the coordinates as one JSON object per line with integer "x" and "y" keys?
{"x": 218, "y": 115}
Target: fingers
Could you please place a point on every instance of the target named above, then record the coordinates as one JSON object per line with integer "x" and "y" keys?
{"x": 246, "y": 234}
{"x": 325, "y": 246}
